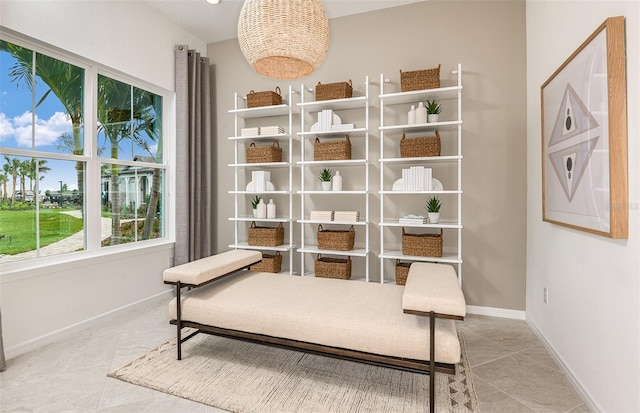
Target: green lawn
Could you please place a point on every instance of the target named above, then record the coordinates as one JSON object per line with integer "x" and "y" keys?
{"x": 19, "y": 229}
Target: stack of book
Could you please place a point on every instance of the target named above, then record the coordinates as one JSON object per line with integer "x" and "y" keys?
{"x": 343, "y": 127}
{"x": 348, "y": 216}
{"x": 413, "y": 219}
{"x": 321, "y": 216}
{"x": 249, "y": 131}
{"x": 271, "y": 130}
{"x": 416, "y": 178}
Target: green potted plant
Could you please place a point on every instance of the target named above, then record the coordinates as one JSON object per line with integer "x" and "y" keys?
{"x": 325, "y": 177}
{"x": 433, "y": 209}
{"x": 433, "y": 110}
{"x": 254, "y": 205}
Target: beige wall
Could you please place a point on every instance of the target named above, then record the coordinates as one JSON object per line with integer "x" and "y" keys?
{"x": 488, "y": 39}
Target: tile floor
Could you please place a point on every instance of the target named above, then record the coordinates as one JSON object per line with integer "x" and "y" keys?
{"x": 512, "y": 370}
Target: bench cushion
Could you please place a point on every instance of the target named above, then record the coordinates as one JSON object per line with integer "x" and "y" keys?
{"x": 433, "y": 287}
{"x": 354, "y": 315}
{"x": 205, "y": 269}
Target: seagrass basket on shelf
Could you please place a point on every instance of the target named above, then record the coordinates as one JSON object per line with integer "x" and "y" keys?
{"x": 420, "y": 79}
{"x": 337, "y": 240}
{"x": 422, "y": 245}
{"x": 332, "y": 150}
{"x": 264, "y": 153}
{"x": 269, "y": 263}
{"x": 420, "y": 147}
{"x": 266, "y": 236}
{"x": 402, "y": 272}
{"x": 339, "y": 90}
{"x": 266, "y": 98}
{"x": 327, "y": 267}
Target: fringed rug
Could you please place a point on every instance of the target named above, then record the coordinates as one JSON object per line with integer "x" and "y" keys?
{"x": 238, "y": 376}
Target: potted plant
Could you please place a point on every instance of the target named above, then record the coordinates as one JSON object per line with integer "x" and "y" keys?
{"x": 433, "y": 209}
{"x": 254, "y": 204}
{"x": 433, "y": 110}
{"x": 325, "y": 177}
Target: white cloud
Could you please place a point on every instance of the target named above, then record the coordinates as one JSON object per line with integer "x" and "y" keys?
{"x": 47, "y": 131}
{"x": 6, "y": 129}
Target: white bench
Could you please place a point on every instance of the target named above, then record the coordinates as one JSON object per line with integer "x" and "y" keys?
{"x": 409, "y": 327}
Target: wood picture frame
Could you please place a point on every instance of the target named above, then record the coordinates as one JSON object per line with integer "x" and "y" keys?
{"x": 584, "y": 137}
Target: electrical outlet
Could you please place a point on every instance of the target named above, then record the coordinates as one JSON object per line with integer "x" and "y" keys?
{"x": 546, "y": 295}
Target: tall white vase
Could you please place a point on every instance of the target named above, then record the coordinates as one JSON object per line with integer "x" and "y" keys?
{"x": 262, "y": 209}
{"x": 271, "y": 210}
{"x": 421, "y": 113}
{"x": 337, "y": 181}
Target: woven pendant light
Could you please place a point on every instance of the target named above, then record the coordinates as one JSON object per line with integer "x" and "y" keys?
{"x": 283, "y": 39}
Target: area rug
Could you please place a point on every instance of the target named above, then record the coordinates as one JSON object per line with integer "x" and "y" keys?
{"x": 244, "y": 377}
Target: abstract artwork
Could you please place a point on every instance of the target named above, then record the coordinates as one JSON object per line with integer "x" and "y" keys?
{"x": 584, "y": 137}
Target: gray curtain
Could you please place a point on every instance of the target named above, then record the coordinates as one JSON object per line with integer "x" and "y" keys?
{"x": 3, "y": 364}
{"x": 194, "y": 157}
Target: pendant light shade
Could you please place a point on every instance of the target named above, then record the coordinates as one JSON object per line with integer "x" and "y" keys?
{"x": 283, "y": 39}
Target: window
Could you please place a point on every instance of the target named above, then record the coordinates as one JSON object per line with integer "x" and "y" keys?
{"x": 60, "y": 176}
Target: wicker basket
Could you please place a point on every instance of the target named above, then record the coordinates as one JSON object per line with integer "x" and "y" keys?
{"x": 266, "y": 236}
{"x": 271, "y": 153}
{"x": 336, "y": 240}
{"x": 420, "y": 79}
{"x": 402, "y": 272}
{"x": 269, "y": 263}
{"x": 326, "y": 267}
{"x": 418, "y": 147}
{"x": 268, "y": 98}
{"x": 333, "y": 150}
{"x": 338, "y": 90}
{"x": 422, "y": 245}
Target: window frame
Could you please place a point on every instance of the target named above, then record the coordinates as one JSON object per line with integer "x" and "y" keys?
{"x": 92, "y": 196}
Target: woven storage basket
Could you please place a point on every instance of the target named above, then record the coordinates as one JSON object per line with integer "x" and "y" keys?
{"x": 338, "y": 90}
{"x": 336, "y": 240}
{"x": 422, "y": 245}
{"x": 326, "y": 267}
{"x": 270, "y": 153}
{"x": 418, "y": 147}
{"x": 266, "y": 236}
{"x": 268, "y": 98}
{"x": 269, "y": 263}
{"x": 402, "y": 272}
{"x": 420, "y": 79}
{"x": 332, "y": 150}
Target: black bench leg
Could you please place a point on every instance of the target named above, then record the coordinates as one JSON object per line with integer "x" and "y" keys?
{"x": 432, "y": 362}
{"x": 178, "y": 321}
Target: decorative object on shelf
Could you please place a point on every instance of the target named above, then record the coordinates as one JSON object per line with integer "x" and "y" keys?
{"x": 421, "y": 114}
{"x": 416, "y": 178}
{"x": 283, "y": 39}
{"x": 346, "y": 216}
{"x": 261, "y": 209}
{"x": 327, "y": 267}
{"x": 336, "y": 240}
{"x": 269, "y": 263}
{"x": 402, "y": 272}
{"x": 321, "y": 216}
{"x": 332, "y": 150}
{"x": 325, "y": 177}
{"x": 420, "y": 147}
{"x": 411, "y": 116}
{"x": 271, "y": 130}
{"x": 422, "y": 245}
{"x": 339, "y": 90}
{"x": 433, "y": 111}
{"x": 254, "y": 205}
{"x": 433, "y": 209}
{"x": 250, "y": 131}
{"x": 267, "y": 98}
{"x": 264, "y": 154}
{"x": 260, "y": 181}
{"x": 271, "y": 210}
{"x": 336, "y": 182}
{"x": 266, "y": 236}
{"x": 420, "y": 79}
{"x": 412, "y": 219}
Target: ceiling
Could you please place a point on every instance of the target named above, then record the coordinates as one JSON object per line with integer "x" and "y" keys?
{"x": 214, "y": 23}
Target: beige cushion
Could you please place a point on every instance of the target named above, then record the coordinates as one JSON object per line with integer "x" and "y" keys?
{"x": 205, "y": 269}
{"x": 433, "y": 287}
{"x": 346, "y": 314}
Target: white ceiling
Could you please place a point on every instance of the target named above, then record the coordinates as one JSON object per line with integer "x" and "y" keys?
{"x": 214, "y": 23}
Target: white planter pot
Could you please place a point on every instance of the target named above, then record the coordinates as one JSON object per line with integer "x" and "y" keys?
{"x": 326, "y": 186}
{"x": 434, "y": 217}
{"x": 433, "y": 118}
{"x": 255, "y": 212}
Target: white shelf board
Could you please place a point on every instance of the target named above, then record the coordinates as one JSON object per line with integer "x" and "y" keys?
{"x": 335, "y": 104}
{"x": 279, "y": 137}
{"x": 262, "y": 111}
{"x": 260, "y": 164}
{"x": 413, "y": 96}
{"x": 419, "y": 192}
{"x": 345, "y": 162}
{"x": 334, "y": 133}
{"x": 316, "y": 221}
{"x": 441, "y": 224}
{"x": 430, "y": 159}
{"x": 313, "y": 249}
{"x": 261, "y": 193}
{"x": 246, "y": 246}
{"x": 252, "y": 218}
{"x": 333, "y": 192}
{"x": 449, "y": 258}
{"x": 421, "y": 127}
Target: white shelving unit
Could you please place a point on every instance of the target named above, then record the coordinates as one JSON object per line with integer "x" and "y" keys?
{"x": 283, "y": 193}
{"x": 355, "y": 174}
{"x": 393, "y": 117}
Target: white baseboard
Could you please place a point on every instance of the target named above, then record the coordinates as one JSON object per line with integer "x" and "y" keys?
{"x": 33, "y": 344}
{"x": 591, "y": 404}
{"x": 496, "y": 312}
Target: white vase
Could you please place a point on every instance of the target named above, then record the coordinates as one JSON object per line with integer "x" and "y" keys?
{"x": 326, "y": 185}
{"x": 271, "y": 210}
{"x": 432, "y": 118}
{"x": 411, "y": 116}
{"x": 262, "y": 209}
{"x": 434, "y": 217}
{"x": 337, "y": 181}
{"x": 421, "y": 113}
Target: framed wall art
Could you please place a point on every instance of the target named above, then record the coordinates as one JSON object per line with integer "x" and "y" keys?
{"x": 584, "y": 137}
